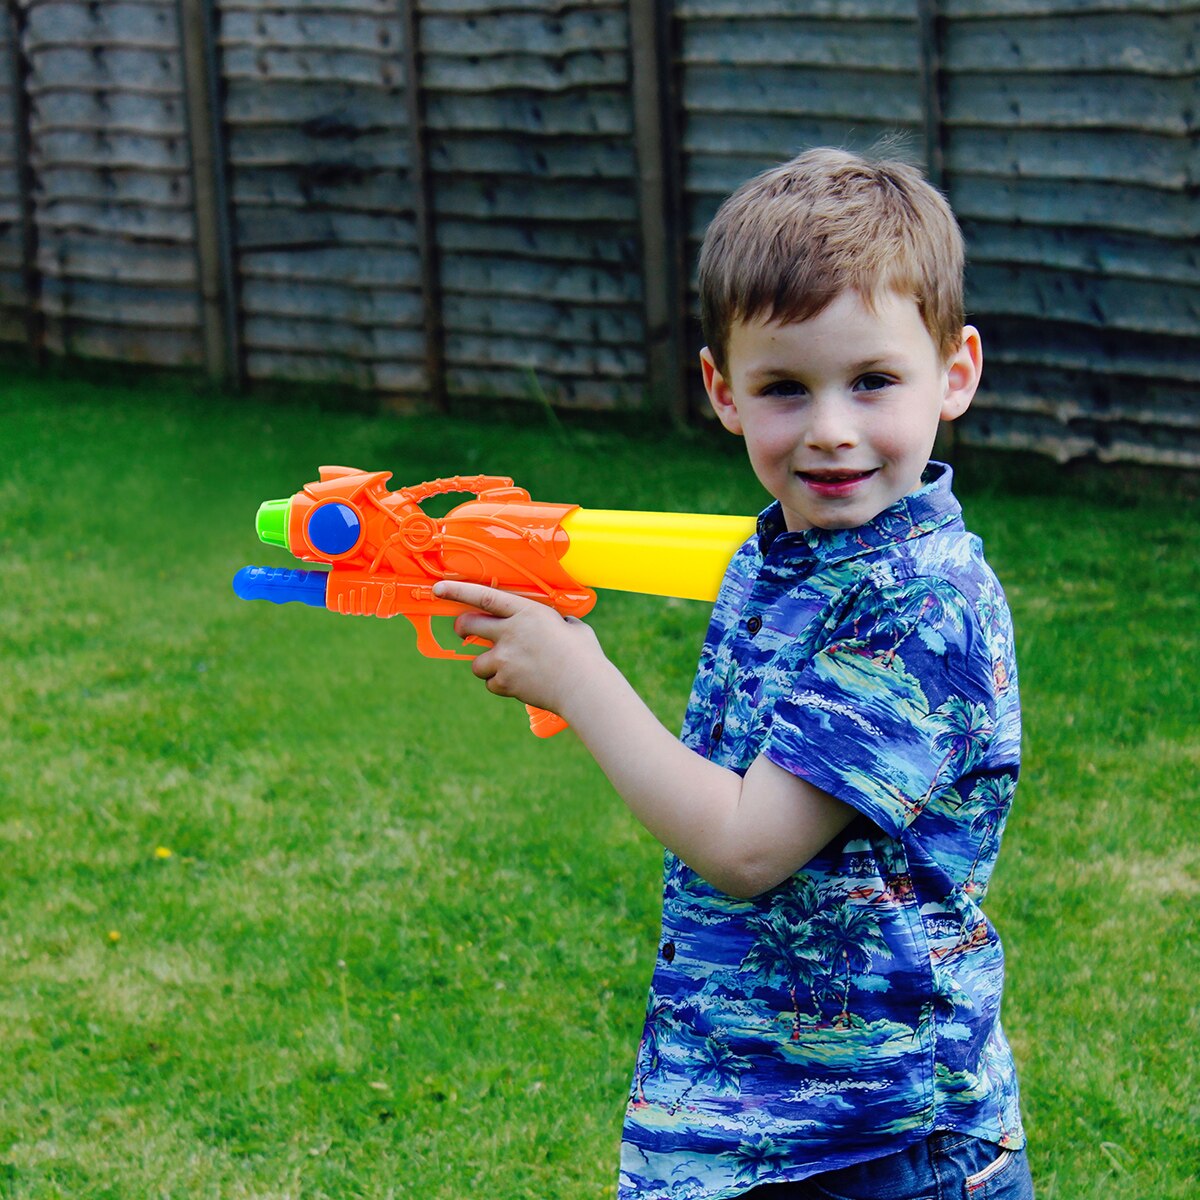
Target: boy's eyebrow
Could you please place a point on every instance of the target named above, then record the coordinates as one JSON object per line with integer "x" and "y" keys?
{"x": 767, "y": 371}
{"x": 877, "y": 362}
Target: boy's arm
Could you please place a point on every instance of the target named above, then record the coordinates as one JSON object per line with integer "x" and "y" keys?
{"x": 743, "y": 835}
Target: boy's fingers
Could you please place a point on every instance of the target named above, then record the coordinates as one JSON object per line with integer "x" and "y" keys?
{"x": 475, "y": 625}
{"x": 488, "y": 600}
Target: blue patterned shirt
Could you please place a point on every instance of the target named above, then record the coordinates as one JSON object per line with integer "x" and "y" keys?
{"x": 855, "y": 1008}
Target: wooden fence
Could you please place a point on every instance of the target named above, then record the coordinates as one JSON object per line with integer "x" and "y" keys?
{"x": 503, "y": 198}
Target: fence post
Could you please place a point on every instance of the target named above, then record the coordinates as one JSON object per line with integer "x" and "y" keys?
{"x": 651, "y": 24}
{"x": 31, "y": 280}
{"x": 210, "y": 192}
{"x": 423, "y": 218}
{"x": 930, "y": 31}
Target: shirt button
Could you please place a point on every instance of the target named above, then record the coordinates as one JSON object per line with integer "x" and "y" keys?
{"x": 718, "y": 731}
{"x": 668, "y": 951}
{"x": 754, "y": 624}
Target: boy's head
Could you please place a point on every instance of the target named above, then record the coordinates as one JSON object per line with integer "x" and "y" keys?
{"x": 831, "y": 292}
{"x": 791, "y": 239}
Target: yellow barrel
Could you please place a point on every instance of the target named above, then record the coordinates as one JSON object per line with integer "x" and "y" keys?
{"x": 659, "y": 554}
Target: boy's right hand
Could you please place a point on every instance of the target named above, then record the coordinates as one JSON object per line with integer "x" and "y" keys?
{"x": 536, "y": 655}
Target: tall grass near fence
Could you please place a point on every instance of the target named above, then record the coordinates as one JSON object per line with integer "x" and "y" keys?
{"x": 286, "y": 910}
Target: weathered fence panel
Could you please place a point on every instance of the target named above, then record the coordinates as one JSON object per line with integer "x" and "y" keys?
{"x": 1072, "y": 162}
{"x": 113, "y": 201}
{"x": 763, "y": 80}
{"x": 321, "y": 195}
{"x": 533, "y": 184}
{"x": 505, "y": 198}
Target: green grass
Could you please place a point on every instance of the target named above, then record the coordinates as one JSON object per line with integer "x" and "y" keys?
{"x": 400, "y": 948}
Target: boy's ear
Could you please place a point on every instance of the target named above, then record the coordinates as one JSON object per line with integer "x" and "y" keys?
{"x": 720, "y": 394}
{"x": 963, "y": 372}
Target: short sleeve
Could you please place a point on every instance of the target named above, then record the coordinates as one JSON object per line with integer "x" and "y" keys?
{"x": 896, "y": 705}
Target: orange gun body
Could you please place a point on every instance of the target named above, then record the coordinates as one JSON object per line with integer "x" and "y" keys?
{"x": 385, "y": 553}
{"x": 398, "y": 552}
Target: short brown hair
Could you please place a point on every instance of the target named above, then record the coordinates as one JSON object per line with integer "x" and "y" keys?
{"x": 790, "y": 240}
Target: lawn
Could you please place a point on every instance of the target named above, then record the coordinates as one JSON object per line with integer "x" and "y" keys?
{"x": 289, "y": 911}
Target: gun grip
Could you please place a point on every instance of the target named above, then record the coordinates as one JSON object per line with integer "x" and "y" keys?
{"x": 543, "y": 723}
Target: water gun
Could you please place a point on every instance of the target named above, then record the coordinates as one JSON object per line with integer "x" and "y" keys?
{"x": 384, "y": 553}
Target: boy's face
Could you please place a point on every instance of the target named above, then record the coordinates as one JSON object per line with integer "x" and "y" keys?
{"x": 839, "y": 412}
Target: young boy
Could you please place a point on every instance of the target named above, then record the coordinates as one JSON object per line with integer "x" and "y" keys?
{"x": 824, "y": 1017}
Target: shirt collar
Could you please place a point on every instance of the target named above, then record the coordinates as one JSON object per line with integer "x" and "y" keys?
{"x": 928, "y": 508}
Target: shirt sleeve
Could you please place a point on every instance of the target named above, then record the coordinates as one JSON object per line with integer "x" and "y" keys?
{"x": 896, "y": 705}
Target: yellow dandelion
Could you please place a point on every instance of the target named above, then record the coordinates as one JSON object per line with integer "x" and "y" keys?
{"x": 163, "y": 852}
{"x": 114, "y": 936}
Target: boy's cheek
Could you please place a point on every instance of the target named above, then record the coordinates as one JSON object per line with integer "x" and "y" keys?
{"x": 771, "y": 470}
{"x": 770, "y": 441}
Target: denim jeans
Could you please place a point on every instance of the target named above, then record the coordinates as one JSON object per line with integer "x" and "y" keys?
{"x": 946, "y": 1166}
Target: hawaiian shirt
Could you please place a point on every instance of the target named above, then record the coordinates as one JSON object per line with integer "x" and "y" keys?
{"x": 855, "y": 1008}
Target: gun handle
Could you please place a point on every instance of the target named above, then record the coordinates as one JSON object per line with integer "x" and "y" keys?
{"x": 543, "y": 723}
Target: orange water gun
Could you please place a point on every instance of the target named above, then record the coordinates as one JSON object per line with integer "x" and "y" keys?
{"x": 384, "y": 553}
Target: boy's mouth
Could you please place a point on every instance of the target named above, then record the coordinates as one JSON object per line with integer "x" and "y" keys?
{"x": 834, "y": 483}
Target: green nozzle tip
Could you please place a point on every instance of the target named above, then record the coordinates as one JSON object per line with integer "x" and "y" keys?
{"x": 272, "y": 522}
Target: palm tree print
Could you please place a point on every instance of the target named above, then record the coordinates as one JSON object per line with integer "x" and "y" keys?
{"x": 754, "y": 1159}
{"x": 803, "y": 1021}
{"x": 649, "y": 1059}
{"x": 852, "y": 935}
{"x": 941, "y": 604}
{"x": 991, "y": 610}
{"x": 994, "y": 795}
{"x": 785, "y": 950}
{"x": 800, "y": 900}
{"x": 718, "y": 1069}
{"x": 962, "y": 731}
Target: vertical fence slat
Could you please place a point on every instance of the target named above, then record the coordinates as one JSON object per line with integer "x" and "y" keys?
{"x": 929, "y": 21}
{"x": 659, "y": 203}
{"x": 423, "y": 210}
{"x": 214, "y": 238}
{"x": 930, "y": 37}
{"x": 22, "y": 154}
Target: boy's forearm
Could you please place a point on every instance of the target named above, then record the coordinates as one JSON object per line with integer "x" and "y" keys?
{"x": 679, "y": 797}
{"x": 743, "y": 835}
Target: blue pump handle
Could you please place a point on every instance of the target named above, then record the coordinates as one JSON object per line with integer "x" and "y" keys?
{"x": 281, "y": 585}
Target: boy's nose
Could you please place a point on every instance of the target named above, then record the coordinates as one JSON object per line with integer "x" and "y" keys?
{"x": 830, "y": 426}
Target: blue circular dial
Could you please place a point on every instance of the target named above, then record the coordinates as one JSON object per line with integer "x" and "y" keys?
{"x": 333, "y": 528}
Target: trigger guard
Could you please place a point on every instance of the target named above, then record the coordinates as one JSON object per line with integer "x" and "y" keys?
{"x": 428, "y": 645}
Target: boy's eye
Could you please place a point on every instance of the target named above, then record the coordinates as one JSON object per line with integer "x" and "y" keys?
{"x": 783, "y": 387}
{"x": 873, "y": 382}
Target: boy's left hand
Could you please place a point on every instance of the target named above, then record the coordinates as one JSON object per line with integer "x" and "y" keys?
{"x": 537, "y": 655}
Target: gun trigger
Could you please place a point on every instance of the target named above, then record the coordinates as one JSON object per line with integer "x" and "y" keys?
{"x": 427, "y": 644}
